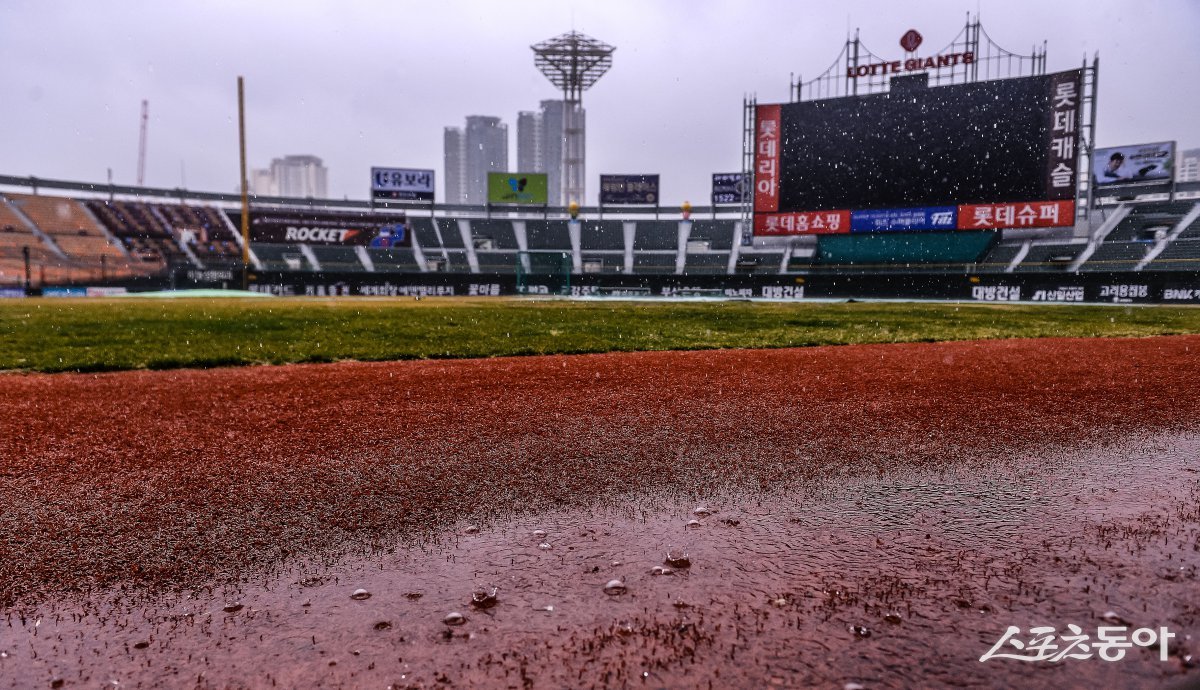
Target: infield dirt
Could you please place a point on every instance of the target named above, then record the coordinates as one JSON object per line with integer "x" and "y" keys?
{"x": 862, "y": 514}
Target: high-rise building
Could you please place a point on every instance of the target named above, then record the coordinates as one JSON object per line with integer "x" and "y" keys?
{"x": 454, "y": 155}
{"x": 262, "y": 183}
{"x": 486, "y": 151}
{"x": 529, "y": 142}
{"x": 545, "y": 148}
{"x": 470, "y": 154}
{"x": 292, "y": 176}
{"x": 1189, "y": 166}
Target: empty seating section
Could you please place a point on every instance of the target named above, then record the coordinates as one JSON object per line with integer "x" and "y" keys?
{"x": 69, "y": 227}
{"x": 1144, "y": 219}
{"x": 611, "y": 262}
{"x": 656, "y": 234}
{"x": 458, "y": 261}
{"x": 497, "y": 262}
{"x": 281, "y": 257}
{"x": 547, "y": 235}
{"x": 717, "y": 233}
{"x": 1192, "y": 231}
{"x": 397, "y": 259}
{"x": 145, "y": 235}
{"x": 337, "y": 258}
{"x": 999, "y": 257}
{"x": 424, "y": 234}
{"x": 1116, "y": 256}
{"x": 654, "y": 262}
{"x": 1181, "y": 255}
{"x": 203, "y": 229}
{"x": 710, "y": 264}
{"x": 602, "y": 235}
{"x": 498, "y": 234}
{"x": 15, "y": 236}
{"x": 451, "y": 236}
{"x": 15, "y": 240}
{"x": 759, "y": 262}
{"x": 78, "y": 249}
{"x": 1050, "y": 257}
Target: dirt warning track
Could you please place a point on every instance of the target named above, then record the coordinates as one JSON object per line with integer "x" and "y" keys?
{"x": 304, "y": 476}
{"x": 169, "y": 476}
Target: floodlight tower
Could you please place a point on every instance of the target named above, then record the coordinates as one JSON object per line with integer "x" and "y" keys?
{"x": 573, "y": 62}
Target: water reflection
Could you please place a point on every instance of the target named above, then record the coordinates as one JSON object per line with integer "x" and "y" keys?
{"x": 866, "y": 582}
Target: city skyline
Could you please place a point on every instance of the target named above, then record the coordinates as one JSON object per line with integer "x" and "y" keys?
{"x": 670, "y": 106}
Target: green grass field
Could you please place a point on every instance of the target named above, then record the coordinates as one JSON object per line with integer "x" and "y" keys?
{"x": 130, "y": 333}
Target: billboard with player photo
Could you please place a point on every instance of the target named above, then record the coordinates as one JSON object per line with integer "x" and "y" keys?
{"x": 1141, "y": 164}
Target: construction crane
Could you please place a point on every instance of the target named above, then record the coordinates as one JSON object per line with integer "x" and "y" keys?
{"x": 141, "y": 168}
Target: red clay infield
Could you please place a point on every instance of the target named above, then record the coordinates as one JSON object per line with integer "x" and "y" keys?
{"x": 872, "y": 515}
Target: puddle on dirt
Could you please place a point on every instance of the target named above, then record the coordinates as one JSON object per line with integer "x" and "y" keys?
{"x": 894, "y": 581}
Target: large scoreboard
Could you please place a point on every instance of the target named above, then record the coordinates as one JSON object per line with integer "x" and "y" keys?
{"x": 975, "y": 156}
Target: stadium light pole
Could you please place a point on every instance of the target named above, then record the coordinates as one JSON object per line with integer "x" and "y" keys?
{"x": 245, "y": 191}
{"x": 573, "y": 62}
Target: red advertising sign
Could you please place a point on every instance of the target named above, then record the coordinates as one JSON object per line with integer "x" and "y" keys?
{"x": 805, "y": 223}
{"x": 1062, "y": 126}
{"x": 911, "y": 40}
{"x": 1028, "y": 214}
{"x": 767, "y": 145}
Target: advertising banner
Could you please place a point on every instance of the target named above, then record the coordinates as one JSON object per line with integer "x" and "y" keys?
{"x": 106, "y": 291}
{"x": 1062, "y": 132}
{"x": 1144, "y": 163}
{"x": 518, "y": 188}
{"x": 885, "y": 220}
{"x": 326, "y": 228}
{"x": 629, "y": 189}
{"x": 728, "y": 188}
{"x": 407, "y": 184}
{"x": 810, "y": 223}
{"x": 64, "y": 292}
{"x": 767, "y": 148}
{"x": 1032, "y": 214}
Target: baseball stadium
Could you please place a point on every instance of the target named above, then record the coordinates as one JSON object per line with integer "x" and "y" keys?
{"x": 871, "y": 415}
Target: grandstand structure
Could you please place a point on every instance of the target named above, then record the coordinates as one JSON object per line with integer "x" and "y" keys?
{"x": 83, "y": 238}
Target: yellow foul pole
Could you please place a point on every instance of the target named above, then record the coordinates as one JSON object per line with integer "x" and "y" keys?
{"x": 245, "y": 191}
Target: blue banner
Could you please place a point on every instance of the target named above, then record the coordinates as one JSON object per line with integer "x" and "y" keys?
{"x": 893, "y": 219}
{"x": 64, "y": 292}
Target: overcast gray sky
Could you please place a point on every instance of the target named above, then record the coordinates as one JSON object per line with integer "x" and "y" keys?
{"x": 362, "y": 84}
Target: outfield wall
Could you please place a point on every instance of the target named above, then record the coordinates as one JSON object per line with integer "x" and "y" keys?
{"x": 1092, "y": 287}
{"x": 1131, "y": 287}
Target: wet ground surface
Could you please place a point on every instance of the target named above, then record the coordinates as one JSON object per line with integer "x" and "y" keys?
{"x": 881, "y": 528}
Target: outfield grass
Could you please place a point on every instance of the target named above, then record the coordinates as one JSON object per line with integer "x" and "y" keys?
{"x": 110, "y": 334}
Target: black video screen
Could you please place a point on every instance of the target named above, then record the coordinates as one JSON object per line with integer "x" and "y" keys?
{"x": 961, "y": 144}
